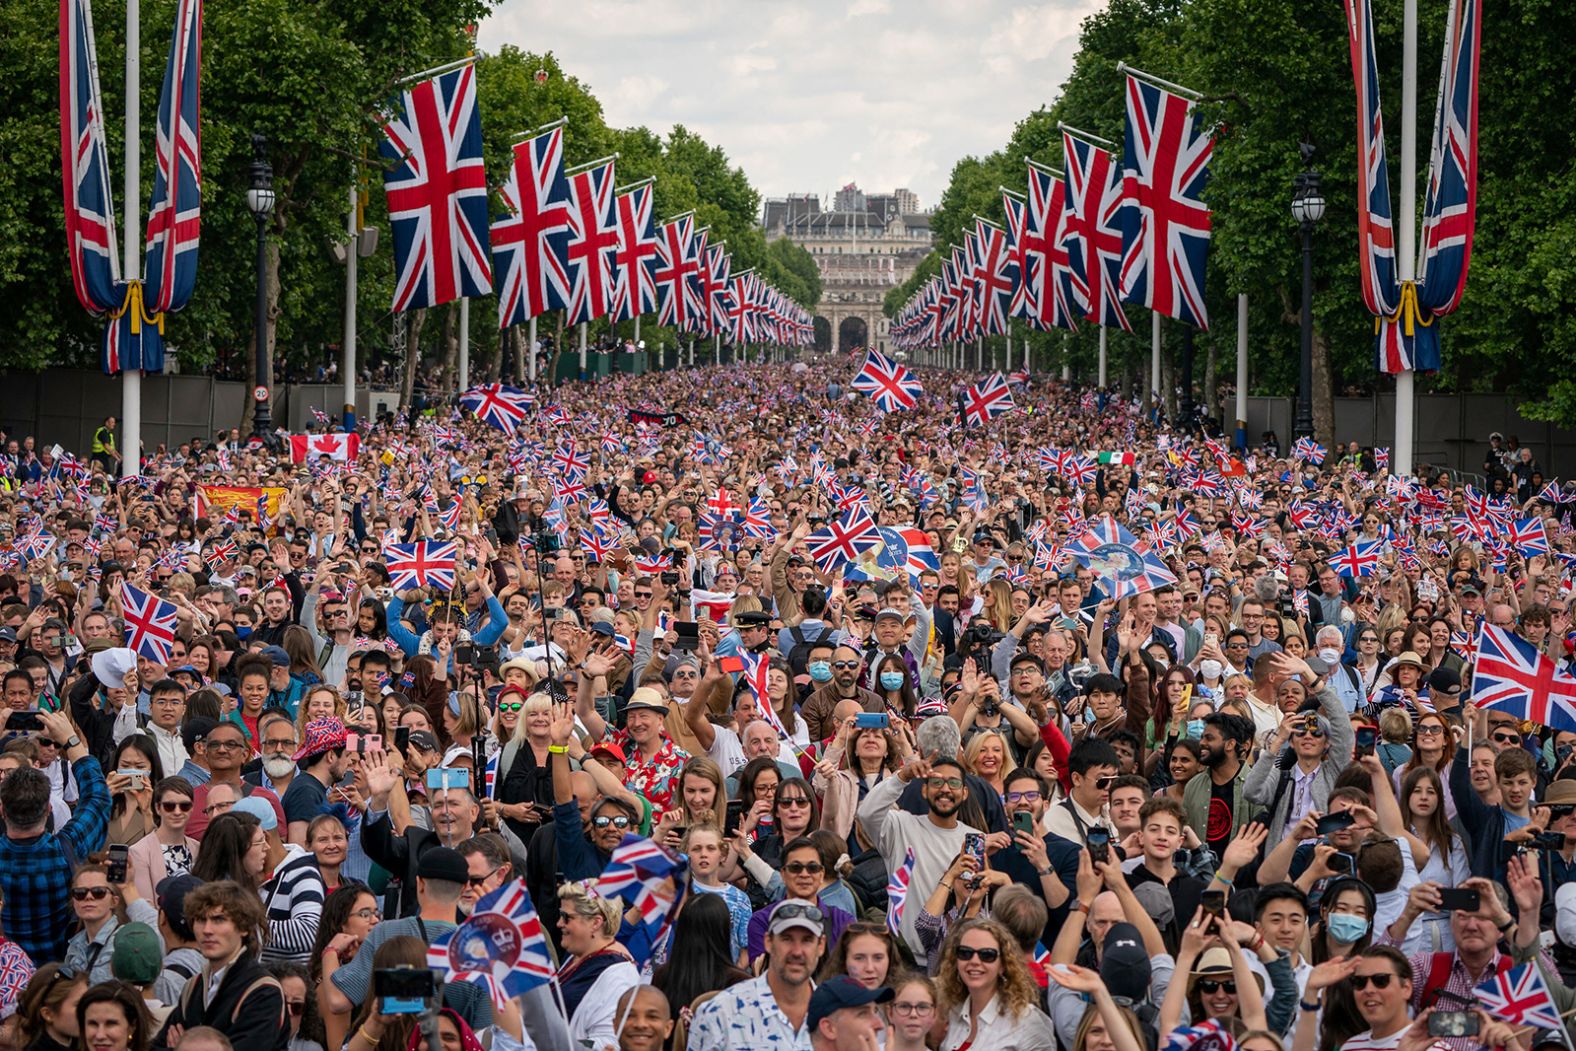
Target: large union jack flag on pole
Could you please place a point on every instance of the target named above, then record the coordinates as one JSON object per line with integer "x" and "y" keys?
{"x": 437, "y": 191}
{"x": 889, "y": 384}
{"x": 530, "y": 245}
{"x": 1165, "y": 239}
{"x": 741, "y": 325}
{"x": 678, "y": 266}
{"x": 1017, "y": 212}
{"x": 1449, "y": 211}
{"x": 1375, "y": 218}
{"x": 90, "y": 210}
{"x": 996, "y": 277}
{"x": 1092, "y": 230}
{"x": 593, "y": 241}
{"x": 175, "y": 214}
{"x": 714, "y": 282}
{"x": 426, "y": 563}
{"x": 1053, "y": 288}
{"x": 1511, "y": 676}
{"x": 635, "y": 262}
{"x": 150, "y": 623}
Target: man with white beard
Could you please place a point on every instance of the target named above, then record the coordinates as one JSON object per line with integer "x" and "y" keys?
{"x": 277, "y": 767}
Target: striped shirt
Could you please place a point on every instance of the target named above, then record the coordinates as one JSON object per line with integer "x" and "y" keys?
{"x": 294, "y": 897}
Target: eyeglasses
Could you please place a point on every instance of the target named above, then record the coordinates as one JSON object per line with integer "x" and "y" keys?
{"x": 968, "y": 952}
{"x": 280, "y": 744}
{"x": 603, "y": 820}
{"x": 1210, "y": 986}
{"x": 845, "y": 665}
{"x": 175, "y": 806}
{"x": 793, "y": 801}
{"x": 84, "y": 893}
{"x": 1031, "y": 796}
{"x": 1309, "y": 731}
{"x": 799, "y": 867}
{"x": 642, "y": 594}
{"x": 365, "y": 914}
{"x": 222, "y": 746}
{"x": 218, "y": 808}
{"x": 1104, "y": 783}
{"x": 914, "y": 1009}
{"x": 1379, "y": 981}
{"x": 296, "y": 1006}
{"x": 1430, "y": 731}
{"x": 944, "y": 782}
{"x": 169, "y": 702}
{"x": 477, "y": 881}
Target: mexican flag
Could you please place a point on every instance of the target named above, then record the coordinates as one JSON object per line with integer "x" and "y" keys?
{"x": 339, "y": 446}
{"x": 1118, "y": 459}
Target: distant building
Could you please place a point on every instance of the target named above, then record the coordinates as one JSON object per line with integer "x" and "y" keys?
{"x": 864, "y": 245}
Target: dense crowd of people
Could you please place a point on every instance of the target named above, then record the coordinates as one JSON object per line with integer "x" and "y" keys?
{"x": 983, "y": 786}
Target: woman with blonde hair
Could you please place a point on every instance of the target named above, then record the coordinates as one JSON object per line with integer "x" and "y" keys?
{"x": 462, "y": 722}
{"x": 1105, "y": 1025}
{"x": 319, "y": 702}
{"x": 987, "y": 757}
{"x": 988, "y": 998}
{"x": 998, "y": 605}
{"x": 596, "y": 970}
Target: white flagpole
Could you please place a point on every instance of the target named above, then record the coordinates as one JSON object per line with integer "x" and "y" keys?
{"x": 1406, "y": 229}
{"x": 465, "y": 343}
{"x": 1102, "y": 357}
{"x": 352, "y": 258}
{"x": 582, "y": 346}
{"x": 1154, "y": 356}
{"x": 131, "y": 268}
{"x": 530, "y": 352}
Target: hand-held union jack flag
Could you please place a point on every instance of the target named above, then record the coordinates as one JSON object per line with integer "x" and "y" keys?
{"x": 1511, "y": 676}
{"x": 1165, "y": 240}
{"x": 984, "y": 401}
{"x": 90, "y": 209}
{"x": 425, "y": 563}
{"x": 593, "y": 242}
{"x": 501, "y": 945}
{"x": 889, "y": 384}
{"x": 843, "y": 540}
{"x": 175, "y": 213}
{"x": 1521, "y": 997}
{"x": 897, "y": 892}
{"x": 651, "y": 881}
{"x": 1359, "y": 560}
{"x": 530, "y": 244}
{"x": 437, "y": 191}
{"x": 1113, "y": 553}
{"x": 150, "y": 623}
{"x": 498, "y": 405}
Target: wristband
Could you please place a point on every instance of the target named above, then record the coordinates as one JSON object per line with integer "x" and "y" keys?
{"x": 1306, "y": 1006}
{"x": 557, "y": 749}
{"x": 1506, "y": 926}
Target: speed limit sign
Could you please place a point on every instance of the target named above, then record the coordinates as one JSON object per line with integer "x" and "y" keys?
{"x": 259, "y": 393}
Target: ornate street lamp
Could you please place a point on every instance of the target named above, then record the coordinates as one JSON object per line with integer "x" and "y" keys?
{"x": 260, "y": 201}
{"x": 1307, "y": 207}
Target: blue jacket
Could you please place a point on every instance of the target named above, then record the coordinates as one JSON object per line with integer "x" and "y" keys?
{"x": 410, "y": 642}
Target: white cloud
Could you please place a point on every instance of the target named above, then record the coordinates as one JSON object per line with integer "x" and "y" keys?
{"x": 809, "y": 94}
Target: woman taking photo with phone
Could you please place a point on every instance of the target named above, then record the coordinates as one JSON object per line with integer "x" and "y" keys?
{"x": 133, "y": 771}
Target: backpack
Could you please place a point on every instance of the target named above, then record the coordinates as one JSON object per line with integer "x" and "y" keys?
{"x": 1439, "y": 965}
{"x": 799, "y": 656}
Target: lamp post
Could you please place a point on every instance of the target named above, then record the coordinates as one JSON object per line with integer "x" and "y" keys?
{"x": 260, "y": 200}
{"x": 1307, "y": 207}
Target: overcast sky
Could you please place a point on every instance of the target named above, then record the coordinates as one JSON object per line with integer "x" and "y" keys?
{"x": 807, "y": 95}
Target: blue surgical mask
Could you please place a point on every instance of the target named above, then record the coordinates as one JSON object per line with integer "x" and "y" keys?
{"x": 1346, "y": 928}
{"x": 892, "y": 680}
{"x": 820, "y": 671}
{"x": 243, "y": 632}
{"x": 1195, "y": 728}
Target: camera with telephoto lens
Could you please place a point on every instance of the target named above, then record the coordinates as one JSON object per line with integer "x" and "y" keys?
{"x": 977, "y": 642}
{"x": 545, "y": 542}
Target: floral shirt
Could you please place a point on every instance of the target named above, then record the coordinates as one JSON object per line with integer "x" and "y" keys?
{"x": 657, "y": 779}
{"x": 746, "y": 1016}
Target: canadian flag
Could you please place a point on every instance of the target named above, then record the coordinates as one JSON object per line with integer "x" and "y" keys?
{"x": 334, "y": 446}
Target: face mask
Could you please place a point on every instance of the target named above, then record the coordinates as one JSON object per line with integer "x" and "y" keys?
{"x": 892, "y": 680}
{"x": 1330, "y": 656}
{"x": 820, "y": 671}
{"x": 1346, "y": 928}
{"x": 1195, "y": 728}
{"x": 243, "y": 632}
{"x": 1209, "y": 669}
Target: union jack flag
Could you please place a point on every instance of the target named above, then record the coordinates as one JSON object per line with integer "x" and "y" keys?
{"x": 1359, "y": 560}
{"x": 530, "y": 245}
{"x": 35, "y": 545}
{"x": 1529, "y": 536}
{"x": 1124, "y": 567}
{"x": 500, "y": 945}
{"x": 984, "y": 401}
{"x": 90, "y": 209}
{"x": 677, "y": 270}
{"x": 593, "y": 241}
{"x": 425, "y": 563}
{"x": 596, "y": 543}
{"x": 897, "y": 891}
{"x": 1510, "y": 675}
{"x": 1055, "y": 292}
{"x": 175, "y": 212}
{"x": 635, "y": 262}
{"x": 437, "y": 191}
{"x": 498, "y": 405}
{"x": 1092, "y": 231}
{"x": 1166, "y": 231}
{"x": 1017, "y": 212}
{"x": 150, "y": 623}
{"x": 741, "y": 323}
{"x": 843, "y": 540}
{"x": 700, "y": 287}
{"x": 889, "y": 384}
{"x": 1450, "y": 209}
{"x": 715, "y": 283}
{"x": 1375, "y": 224}
{"x": 1309, "y": 450}
{"x": 571, "y": 460}
{"x": 1521, "y": 997}
{"x": 650, "y": 880}
{"x": 220, "y": 553}
{"x": 757, "y": 520}
{"x": 995, "y": 277}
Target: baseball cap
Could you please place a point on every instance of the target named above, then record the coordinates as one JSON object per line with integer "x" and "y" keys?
{"x": 424, "y": 739}
{"x": 837, "y": 993}
{"x": 276, "y": 656}
{"x": 1124, "y": 964}
{"x": 171, "y": 892}
{"x": 195, "y": 729}
{"x": 7, "y": 634}
{"x": 796, "y": 912}
{"x": 137, "y": 956}
{"x": 259, "y": 809}
{"x": 443, "y": 863}
{"x": 889, "y": 614}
